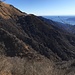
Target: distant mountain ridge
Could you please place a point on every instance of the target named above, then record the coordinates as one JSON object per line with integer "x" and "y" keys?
{"x": 63, "y": 19}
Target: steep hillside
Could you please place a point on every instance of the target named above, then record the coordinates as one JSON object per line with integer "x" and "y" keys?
{"x": 23, "y": 33}
{"x": 63, "y": 26}
{"x": 51, "y": 39}
{"x": 32, "y": 45}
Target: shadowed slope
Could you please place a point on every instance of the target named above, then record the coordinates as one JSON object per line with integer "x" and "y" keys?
{"x": 42, "y": 37}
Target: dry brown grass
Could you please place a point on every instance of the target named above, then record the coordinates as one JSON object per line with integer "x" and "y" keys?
{"x": 18, "y": 66}
{"x": 23, "y": 66}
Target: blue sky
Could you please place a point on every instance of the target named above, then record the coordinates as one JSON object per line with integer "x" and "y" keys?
{"x": 45, "y": 7}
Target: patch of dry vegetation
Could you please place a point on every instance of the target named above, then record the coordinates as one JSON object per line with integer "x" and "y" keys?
{"x": 18, "y": 66}
{"x": 24, "y": 66}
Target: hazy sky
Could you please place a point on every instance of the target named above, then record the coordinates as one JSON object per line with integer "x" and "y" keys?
{"x": 45, "y": 7}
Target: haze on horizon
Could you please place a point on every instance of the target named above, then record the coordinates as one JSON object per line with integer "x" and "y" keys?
{"x": 45, "y": 7}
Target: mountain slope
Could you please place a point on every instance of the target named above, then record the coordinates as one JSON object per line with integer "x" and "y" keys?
{"x": 34, "y": 36}
{"x": 63, "y": 26}
{"x": 50, "y": 37}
